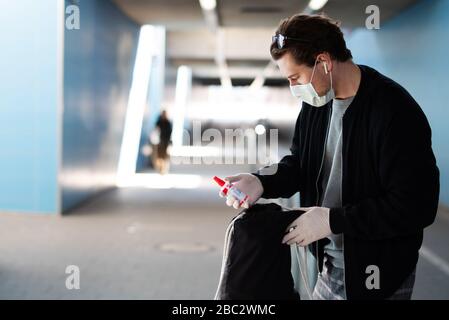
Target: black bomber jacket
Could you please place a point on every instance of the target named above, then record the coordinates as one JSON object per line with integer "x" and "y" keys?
{"x": 390, "y": 181}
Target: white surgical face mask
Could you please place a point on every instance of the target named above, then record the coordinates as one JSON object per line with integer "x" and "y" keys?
{"x": 307, "y": 93}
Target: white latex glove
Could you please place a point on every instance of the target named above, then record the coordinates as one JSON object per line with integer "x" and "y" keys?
{"x": 311, "y": 226}
{"x": 248, "y": 184}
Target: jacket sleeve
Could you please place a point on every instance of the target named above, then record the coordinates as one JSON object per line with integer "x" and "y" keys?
{"x": 410, "y": 181}
{"x": 281, "y": 180}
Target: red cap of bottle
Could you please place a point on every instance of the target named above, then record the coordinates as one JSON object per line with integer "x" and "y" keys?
{"x": 220, "y": 182}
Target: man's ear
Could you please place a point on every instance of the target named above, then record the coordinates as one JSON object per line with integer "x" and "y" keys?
{"x": 327, "y": 62}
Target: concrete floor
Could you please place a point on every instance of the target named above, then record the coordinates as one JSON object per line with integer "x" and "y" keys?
{"x": 139, "y": 243}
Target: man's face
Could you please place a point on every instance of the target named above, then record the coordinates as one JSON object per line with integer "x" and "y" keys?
{"x": 301, "y": 73}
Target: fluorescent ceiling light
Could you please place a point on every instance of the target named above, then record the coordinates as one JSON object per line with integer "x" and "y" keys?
{"x": 208, "y": 4}
{"x": 317, "y": 4}
{"x": 260, "y": 129}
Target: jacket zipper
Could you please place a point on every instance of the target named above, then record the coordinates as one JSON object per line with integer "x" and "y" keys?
{"x": 316, "y": 184}
{"x": 341, "y": 202}
{"x": 344, "y": 264}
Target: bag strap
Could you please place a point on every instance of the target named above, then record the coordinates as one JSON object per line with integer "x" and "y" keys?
{"x": 228, "y": 235}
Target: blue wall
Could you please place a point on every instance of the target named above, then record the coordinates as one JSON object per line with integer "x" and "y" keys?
{"x": 99, "y": 60}
{"x": 28, "y": 106}
{"x": 413, "y": 50}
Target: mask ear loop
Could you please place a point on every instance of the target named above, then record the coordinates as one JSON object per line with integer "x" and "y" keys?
{"x": 313, "y": 71}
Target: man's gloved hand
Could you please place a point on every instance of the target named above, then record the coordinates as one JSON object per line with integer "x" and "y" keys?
{"x": 248, "y": 184}
{"x": 311, "y": 226}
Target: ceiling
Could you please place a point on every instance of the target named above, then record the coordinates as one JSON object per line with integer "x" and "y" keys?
{"x": 246, "y": 27}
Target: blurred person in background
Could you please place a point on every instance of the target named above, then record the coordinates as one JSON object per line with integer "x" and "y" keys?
{"x": 164, "y": 129}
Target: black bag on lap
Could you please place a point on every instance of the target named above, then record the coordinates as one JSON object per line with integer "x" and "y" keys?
{"x": 256, "y": 265}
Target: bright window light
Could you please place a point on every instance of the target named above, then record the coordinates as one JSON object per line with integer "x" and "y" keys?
{"x": 183, "y": 88}
{"x": 137, "y": 102}
{"x": 157, "y": 181}
{"x": 194, "y": 151}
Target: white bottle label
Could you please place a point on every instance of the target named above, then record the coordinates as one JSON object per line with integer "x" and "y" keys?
{"x": 236, "y": 193}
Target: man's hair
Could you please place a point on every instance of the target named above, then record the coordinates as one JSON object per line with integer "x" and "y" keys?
{"x": 319, "y": 34}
